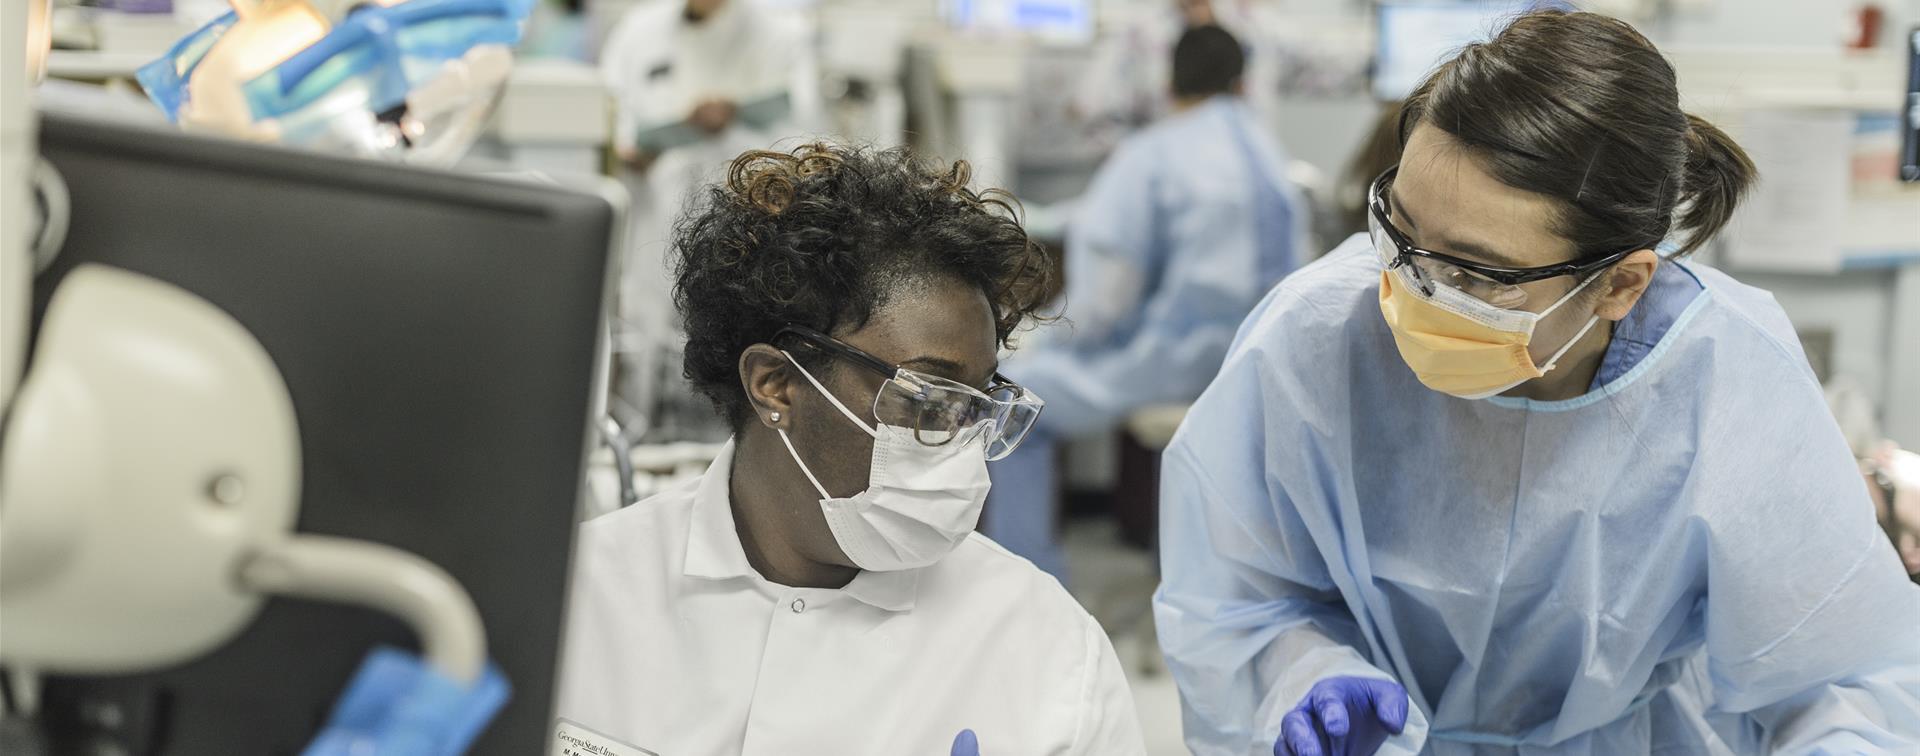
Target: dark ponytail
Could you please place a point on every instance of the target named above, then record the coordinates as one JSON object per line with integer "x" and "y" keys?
{"x": 1717, "y": 176}
{"x": 1582, "y": 108}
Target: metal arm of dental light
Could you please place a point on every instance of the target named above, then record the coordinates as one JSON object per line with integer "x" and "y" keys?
{"x": 615, "y": 439}
{"x": 379, "y": 577}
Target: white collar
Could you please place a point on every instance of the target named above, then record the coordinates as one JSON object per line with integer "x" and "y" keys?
{"x": 714, "y": 551}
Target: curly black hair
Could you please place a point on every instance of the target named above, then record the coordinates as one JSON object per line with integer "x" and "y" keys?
{"x": 821, "y": 236}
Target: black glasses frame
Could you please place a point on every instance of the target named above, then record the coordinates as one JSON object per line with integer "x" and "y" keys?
{"x": 1405, "y": 250}
{"x": 853, "y": 354}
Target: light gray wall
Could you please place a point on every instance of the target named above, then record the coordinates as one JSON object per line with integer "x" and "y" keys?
{"x": 1791, "y": 23}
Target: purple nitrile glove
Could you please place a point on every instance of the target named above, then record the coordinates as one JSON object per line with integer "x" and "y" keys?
{"x": 1343, "y": 716}
{"x": 966, "y": 744}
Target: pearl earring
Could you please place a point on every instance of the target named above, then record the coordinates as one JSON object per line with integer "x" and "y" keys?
{"x": 775, "y": 417}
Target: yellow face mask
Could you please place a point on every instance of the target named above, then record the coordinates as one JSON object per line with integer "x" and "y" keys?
{"x": 1459, "y": 345}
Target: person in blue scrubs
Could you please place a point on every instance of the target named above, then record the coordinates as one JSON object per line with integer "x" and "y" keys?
{"x": 1182, "y": 230}
{"x": 1508, "y": 475}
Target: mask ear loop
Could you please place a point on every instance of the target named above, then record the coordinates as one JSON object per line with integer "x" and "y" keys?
{"x": 1571, "y": 293}
{"x": 837, "y": 405}
{"x": 830, "y": 397}
{"x": 803, "y": 466}
{"x": 1555, "y": 359}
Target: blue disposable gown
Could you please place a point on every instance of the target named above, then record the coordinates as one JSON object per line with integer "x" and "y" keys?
{"x": 1182, "y": 231}
{"x": 1672, "y": 562}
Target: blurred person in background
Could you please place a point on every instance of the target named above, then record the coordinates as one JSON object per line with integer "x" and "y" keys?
{"x": 1126, "y": 84}
{"x": 1184, "y": 228}
{"x": 694, "y": 82}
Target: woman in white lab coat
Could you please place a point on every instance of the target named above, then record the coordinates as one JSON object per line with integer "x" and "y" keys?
{"x": 821, "y": 589}
{"x": 694, "y": 83}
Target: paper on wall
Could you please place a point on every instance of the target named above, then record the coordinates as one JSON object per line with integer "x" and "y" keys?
{"x": 1795, "y": 217}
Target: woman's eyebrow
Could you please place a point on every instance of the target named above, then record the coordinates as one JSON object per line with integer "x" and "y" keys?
{"x": 1394, "y": 206}
{"x": 1470, "y": 249}
{"x": 1464, "y": 248}
{"x": 946, "y": 368}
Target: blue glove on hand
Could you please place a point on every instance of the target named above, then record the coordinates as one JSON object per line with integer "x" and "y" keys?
{"x": 966, "y": 744}
{"x": 1343, "y": 716}
{"x": 397, "y": 705}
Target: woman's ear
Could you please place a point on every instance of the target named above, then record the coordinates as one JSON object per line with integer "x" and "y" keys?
{"x": 1626, "y": 282}
{"x": 767, "y": 377}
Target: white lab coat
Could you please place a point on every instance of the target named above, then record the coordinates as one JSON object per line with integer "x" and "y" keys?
{"x": 677, "y": 646}
{"x": 657, "y": 66}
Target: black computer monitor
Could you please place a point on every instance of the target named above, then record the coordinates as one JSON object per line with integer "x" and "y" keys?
{"x": 439, "y": 335}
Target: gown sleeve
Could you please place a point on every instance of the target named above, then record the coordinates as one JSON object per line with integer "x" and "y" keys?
{"x": 1156, "y": 286}
{"x": 1248, "y": 613}
{"x": 1813, "y": 629}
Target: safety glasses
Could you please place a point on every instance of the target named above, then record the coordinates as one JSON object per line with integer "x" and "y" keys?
{"x": 939, "y": 411}
{"x": 1493, "y": 284}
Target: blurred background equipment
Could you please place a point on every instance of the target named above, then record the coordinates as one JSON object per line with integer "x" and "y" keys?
{"x": 411, "y": 79}
{"x": 1416, "y": 35}
{"x": 1064, "y": 21}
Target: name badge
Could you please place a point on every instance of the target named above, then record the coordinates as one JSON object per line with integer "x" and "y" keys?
{"x": 570, "y": 738}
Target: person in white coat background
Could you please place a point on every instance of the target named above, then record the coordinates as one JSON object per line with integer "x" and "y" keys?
{"x": 694, "y": 83}
{"x": 821, "y": 589}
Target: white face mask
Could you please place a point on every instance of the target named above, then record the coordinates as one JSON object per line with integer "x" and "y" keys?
{"x": 920, "y": 502}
